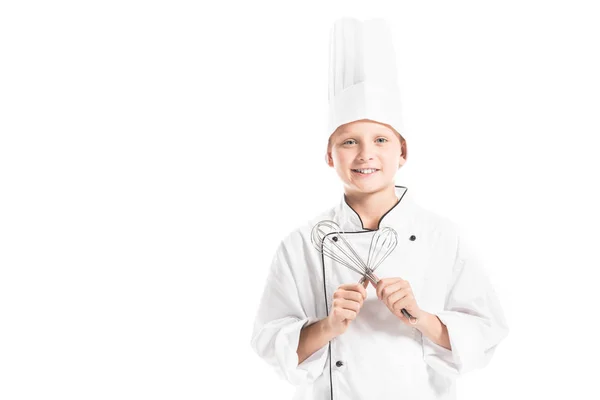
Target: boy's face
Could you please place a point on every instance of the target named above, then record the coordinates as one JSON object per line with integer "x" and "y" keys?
{"x": 366, "y": 144}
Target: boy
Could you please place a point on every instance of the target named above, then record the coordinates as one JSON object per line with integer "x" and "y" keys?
{"x": 335, "y": 338}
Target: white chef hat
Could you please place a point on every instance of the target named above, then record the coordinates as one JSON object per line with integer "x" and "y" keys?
{"x": 363, "y": 80}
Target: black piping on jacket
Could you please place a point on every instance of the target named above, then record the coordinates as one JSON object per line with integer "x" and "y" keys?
{"x": 380, "y": 219}
{"x": 323, "y": 265}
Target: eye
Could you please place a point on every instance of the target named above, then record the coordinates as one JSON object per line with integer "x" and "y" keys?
{"x": 349, "y": 140}
{"x": 382, "y": 138}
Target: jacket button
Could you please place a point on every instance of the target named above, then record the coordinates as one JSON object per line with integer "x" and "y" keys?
{"x": 339, "y": 363}
{"x": 413, "y": 237}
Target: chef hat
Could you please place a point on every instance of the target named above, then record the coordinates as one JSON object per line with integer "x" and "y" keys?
{"x": 362, "y": 74}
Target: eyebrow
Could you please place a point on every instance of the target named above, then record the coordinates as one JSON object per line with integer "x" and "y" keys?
{"x": 341, "y": 133}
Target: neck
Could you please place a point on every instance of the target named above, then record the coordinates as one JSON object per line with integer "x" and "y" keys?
{"x": 372, "y": 206}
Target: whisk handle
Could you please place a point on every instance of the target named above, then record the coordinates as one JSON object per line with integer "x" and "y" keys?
{"x": 406, "y": 313}
{"x": 373, "y": 278}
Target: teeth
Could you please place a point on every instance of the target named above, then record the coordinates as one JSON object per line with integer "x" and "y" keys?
{"x": 366, "y": 171}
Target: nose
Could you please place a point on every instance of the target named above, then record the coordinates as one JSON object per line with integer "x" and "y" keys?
{"x": 366, "y": 152}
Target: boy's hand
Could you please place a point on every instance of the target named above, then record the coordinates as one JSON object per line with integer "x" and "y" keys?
{"x": 397, "y": 294}
{"x": 347, "y": 302}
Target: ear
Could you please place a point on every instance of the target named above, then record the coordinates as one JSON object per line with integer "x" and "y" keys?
{"x": 329, "y": 159}
{"x": 404, "y": 155}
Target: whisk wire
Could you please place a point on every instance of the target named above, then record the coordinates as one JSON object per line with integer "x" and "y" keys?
{"x": 327, "y": 236}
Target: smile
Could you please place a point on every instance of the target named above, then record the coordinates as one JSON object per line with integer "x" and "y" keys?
{"x": 365, "y": 171}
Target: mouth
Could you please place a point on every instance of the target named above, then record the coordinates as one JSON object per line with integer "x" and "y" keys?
{"x": 365, "y": 172}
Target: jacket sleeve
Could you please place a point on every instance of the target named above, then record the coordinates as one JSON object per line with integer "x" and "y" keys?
{"x": 473, "y": 315}
{"x": 279, "y": 320}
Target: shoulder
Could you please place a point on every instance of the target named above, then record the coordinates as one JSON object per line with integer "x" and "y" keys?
{"x": 301, "y": 234}
{"x": 436, "y": 222}
{"x": 456, "y": 235}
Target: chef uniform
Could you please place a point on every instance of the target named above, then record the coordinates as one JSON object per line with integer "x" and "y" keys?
{"x": 378, "y": 356}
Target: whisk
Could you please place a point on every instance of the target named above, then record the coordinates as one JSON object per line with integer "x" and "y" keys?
{"x": 383, "y": 242}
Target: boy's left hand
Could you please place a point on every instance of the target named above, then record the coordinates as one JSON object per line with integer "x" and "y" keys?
{"x": 397, "y": 294}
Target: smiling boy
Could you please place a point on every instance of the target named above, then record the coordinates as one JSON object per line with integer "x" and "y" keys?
{"x": 367, "y": 145}
{"x": 334, "y": 338}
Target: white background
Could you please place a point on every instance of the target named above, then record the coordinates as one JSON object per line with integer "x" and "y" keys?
{"x": 153, "y": 154}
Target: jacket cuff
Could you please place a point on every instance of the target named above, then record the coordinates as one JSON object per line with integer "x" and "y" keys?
{"x": 465, "y": 340}
{"x": 286, "y": 347}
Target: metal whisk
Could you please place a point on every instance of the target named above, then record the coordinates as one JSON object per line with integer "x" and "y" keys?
{"x": 383, "y": 242}
{"x": 325, "y": 242}
{"x": 337, "y": 248}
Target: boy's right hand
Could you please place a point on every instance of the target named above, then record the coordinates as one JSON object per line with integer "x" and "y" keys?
{"x": 347, "y": 302}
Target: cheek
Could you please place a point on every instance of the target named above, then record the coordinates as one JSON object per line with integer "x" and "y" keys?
{"x": 392, "y": 159}
{"x": 342, "y": 158}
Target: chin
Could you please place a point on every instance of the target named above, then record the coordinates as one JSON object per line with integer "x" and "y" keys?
{"x": 368, "y": 188}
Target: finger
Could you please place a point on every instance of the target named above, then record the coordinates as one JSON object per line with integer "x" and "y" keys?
{"x": 383, "y": 283}
{"x": 404, "y": 302}
{"x": 390, "y": 289}
{"x": 393, "y": 288}
{"x": 363, "y": 290}
{"x": 342, "y": 293}
{"x": 394, "y": 297}
{"x": 350, "y": 295}
{"x": 396, "y": 286}
{"x": 340, "y": 314}
{"x": 347, "y": 304}
{"x": 357, "y": 287}
{"x": 380, "y": 286}
{"x": 349, "y": 286}
{"x": 337, "y": 313}
{"x": 348, "y": 314}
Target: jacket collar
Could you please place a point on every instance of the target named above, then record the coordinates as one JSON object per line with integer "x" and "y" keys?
{"x": 349, "y": 220}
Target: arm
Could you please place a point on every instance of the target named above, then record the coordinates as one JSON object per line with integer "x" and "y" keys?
{"x": 473, "y": 318}
{"x": 279, "y": 321}
{"x": 312, "y": 338}
{"x": 434, "y": 329}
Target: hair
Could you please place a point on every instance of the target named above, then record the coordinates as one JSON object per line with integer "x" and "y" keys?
{"x": 400, "y": 138}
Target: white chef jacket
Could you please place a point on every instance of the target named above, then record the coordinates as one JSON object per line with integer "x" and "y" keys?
{"x": 378, "y": 356}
